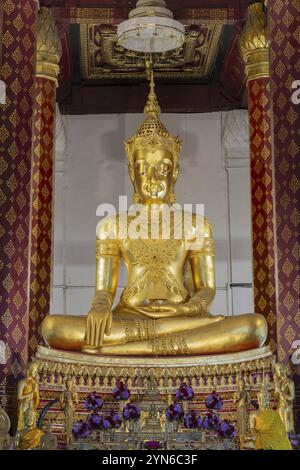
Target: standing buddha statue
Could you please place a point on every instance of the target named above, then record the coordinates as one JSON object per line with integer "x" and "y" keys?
{"x": 158, "y": 314}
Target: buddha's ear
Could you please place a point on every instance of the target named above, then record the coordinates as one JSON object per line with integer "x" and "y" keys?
{"x": 175, "y": 173}
{"x": 131, "y": 173}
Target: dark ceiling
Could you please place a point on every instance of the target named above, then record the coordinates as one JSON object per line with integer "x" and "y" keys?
{"x": 97, "y": 76}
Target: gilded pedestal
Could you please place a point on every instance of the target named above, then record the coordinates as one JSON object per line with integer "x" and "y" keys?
{"x": 101, "y": 374}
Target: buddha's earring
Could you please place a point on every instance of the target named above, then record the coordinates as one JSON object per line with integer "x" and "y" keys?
{"x": 172, "y": 198}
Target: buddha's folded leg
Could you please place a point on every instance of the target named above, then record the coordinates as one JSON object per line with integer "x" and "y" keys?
{"x": 233, "y": 334}
{"x": 68, "y": 331}
{"x": 64, "y": 331}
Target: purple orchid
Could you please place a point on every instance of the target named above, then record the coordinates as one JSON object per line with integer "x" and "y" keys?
{"x": 111, "y": 421}
{"x": 184, "y": 392}
{"x": 211, "y": 422}
{"x": 95, "y": 421}
{"x": 227, "y": 429}
{"x": 131, "y": 412}
{"x": 214, "y": 402}
{"x": 121, "y": 392}
{"x": 93, "y": 402}
{"x": 192, "y": 421}
{"x": 174, "y": 412}
{"x": 81, "y": 430}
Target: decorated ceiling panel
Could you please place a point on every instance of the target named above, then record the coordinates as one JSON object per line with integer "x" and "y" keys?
{"x": 102, "y": 57}
{"x": 98, "y": 75}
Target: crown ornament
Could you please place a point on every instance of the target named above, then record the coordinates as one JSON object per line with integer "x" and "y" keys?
{"x": 153, "y": 133}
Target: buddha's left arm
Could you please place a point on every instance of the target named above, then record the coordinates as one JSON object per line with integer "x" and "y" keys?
{"x": 203, "y": 271}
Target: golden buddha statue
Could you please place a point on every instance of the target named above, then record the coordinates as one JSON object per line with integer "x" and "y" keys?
{"x": 159, "y": 314}
{"x": 29, "y": 435}
{"x": 285, "y": 396}
{"x": 267, "y": 426}
{"x": 242, "y": 398}
{"x": 68, "y": 399}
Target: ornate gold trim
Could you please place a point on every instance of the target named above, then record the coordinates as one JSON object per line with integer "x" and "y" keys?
{"x": 254, "y": 42}
{"x": 258, "y": 64}
{"x": 68, "y": 357}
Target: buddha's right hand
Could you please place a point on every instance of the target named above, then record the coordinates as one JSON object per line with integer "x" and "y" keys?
{"x": 99, "y": 321}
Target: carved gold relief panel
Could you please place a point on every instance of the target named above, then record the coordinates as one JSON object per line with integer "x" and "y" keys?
{"x": 102, "y": 57}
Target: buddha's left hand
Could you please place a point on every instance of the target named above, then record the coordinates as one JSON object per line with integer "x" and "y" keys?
{"x": 169, "y": 310}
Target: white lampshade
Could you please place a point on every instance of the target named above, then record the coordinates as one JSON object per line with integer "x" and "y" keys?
{"x": 151, "y": 28}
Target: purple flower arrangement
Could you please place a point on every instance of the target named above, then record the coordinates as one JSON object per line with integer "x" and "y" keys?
{"x": 211, "y": 422}
{"x": 184, "y": 392}
{"x": 81, "y": 430}
{"x": 227, "y": 429}
{"x": 152, "y": 445}
{"x": 174, "y": 412}
{"x": 111, "y": 421}
{"x": 192, "y": 421}
{"x": 121, "y": 392}
{"x": 93, "y": 402}
{"x": 131, "y": 412}
{"x": 95, "y": 420}
{"x": 214, "y": 402}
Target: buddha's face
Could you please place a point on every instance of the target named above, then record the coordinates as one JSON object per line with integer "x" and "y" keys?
{"x": 69, "y": 385}
{"x": 32, "y": 370}
{"x": 153, "y": 175}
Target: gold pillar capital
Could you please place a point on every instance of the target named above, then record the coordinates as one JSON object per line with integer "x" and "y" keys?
{"x": 254, "y": 42}
{"x": 48, "y": 45}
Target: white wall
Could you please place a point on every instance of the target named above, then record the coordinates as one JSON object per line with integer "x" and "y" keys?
{"x": 92, "y": 169}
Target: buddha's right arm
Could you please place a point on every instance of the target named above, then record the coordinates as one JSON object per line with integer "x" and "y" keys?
{"x": 107, "y": 271}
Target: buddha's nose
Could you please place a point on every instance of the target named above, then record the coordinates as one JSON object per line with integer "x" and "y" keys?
{"x": 152, "y": 175}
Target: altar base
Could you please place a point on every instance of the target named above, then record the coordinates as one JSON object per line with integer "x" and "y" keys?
{"x": 101, "y": 374}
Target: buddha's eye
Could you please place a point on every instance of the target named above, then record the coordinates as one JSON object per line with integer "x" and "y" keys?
{"x": 165, "y": 169}
{"x": 141, "y": 169}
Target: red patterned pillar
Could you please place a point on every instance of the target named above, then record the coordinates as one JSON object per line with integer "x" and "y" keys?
{"x": 254, "y": 49}
{"x": 47, "y": 69}
{"x": 18, "y": 72}
{"x": 284, "y": 25}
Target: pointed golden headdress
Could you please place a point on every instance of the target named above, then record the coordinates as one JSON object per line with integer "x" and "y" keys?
{"x": 152, "y": 133}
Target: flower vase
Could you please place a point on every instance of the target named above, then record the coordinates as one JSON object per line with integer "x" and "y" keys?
{"x": 185, "y": 406}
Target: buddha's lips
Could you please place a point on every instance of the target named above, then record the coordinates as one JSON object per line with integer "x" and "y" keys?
{"x": 154, "y": 189}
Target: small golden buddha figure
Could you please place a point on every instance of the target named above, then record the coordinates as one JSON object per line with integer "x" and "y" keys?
{"x": 159, "y": 313}
{"x": 285, "y": 395}
{"x": 242, "y": 398}
{"x": 68, "y": 398}
{"x": 266, "y": 425}
{"x": 29, "y": 435}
